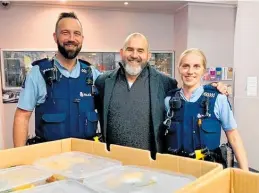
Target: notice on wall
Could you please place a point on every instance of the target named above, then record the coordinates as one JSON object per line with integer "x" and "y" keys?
{"x": 251, "y": 86}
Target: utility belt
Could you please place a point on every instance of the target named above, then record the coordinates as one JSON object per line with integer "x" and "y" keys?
{"x": 223, "y": 155}
{"x": 35, "y": 140}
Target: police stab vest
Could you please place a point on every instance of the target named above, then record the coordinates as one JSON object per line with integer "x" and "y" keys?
{"x": 68, "y": 110}
{"x": 187, "y": 132}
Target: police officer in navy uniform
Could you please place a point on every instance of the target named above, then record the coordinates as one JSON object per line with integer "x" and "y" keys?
{"x": 60, "y": 90}
{"x": 196, "y": 114}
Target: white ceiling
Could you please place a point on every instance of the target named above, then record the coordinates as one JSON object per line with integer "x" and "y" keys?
{"x": 144, "y": 6}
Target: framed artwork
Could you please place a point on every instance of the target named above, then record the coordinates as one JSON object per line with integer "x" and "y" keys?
{"x": 15, "y": 64}
{"x": 163, "y": 62}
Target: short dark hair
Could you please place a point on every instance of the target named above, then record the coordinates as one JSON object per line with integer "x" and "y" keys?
{"x": 66, "y": 15}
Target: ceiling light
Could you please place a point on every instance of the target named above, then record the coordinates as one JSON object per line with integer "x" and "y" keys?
{"x": 126, "y": 3}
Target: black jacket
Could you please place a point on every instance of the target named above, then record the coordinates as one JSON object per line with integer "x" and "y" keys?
{"x": 160, "y": 84}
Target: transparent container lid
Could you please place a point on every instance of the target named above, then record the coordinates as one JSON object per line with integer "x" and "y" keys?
{"x": 64, "y": 186}
{"x": 131, "y": 179}
{"x": 76, "y": 165}
{"x": 11, "y": 178}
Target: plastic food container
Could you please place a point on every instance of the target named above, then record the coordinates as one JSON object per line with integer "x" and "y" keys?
{"x": 21, "y": 177}
{"x": 76, "y": 165}
{"x": 131, "y": 179}
{"x": 64, "y": 186}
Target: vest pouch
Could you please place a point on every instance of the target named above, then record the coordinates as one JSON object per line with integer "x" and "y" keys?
{"x": 210, "y": 133}
{"x": 90, "y": 126}
{"x": 54, "y": 126}
{"x": 173, "y": 137}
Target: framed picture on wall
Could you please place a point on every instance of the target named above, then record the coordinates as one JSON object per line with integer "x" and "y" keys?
{"x": 15, "y": 64}
{"x": 164, "y": 62}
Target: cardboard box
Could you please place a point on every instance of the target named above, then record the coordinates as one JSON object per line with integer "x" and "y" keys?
{"x": 128, "y": 156}
{"x": 230, "y": 181}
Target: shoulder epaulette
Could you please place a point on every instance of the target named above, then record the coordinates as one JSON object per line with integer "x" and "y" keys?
{"x": 210, "y": 88}
{"x": 37, "y": 62}
{"x": 84, "y": 62}
{"x": 172, "y": 92}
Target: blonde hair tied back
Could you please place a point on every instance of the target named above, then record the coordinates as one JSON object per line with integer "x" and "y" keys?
{"x": 195, "y": 51}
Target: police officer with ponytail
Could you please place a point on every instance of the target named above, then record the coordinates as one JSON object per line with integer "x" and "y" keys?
{"x": 196, "y": 114}
{"x": 60, "y": 90}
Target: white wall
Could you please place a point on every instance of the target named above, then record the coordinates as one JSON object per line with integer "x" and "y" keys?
{"x": 246, "y": 62}
{"x": 32, "y": 27}
{"x": 212, "y": 28}
{"x": 180, "y": 35}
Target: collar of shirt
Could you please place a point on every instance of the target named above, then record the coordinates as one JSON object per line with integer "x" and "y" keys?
{"x": 195, "y": 94}
{"x": 73, "y": 74}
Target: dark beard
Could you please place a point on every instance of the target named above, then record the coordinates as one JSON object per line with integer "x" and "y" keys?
{"x": 68, "y": 54}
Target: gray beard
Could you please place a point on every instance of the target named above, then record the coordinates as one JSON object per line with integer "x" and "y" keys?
{"x": 132, "y": 71}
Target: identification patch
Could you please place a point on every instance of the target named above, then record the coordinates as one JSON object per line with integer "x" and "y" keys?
{"x": 207, "y": 94}
{"x": 84, "y": 94}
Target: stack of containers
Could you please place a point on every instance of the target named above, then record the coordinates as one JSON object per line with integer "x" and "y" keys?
{"x": 81, "y": 172}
